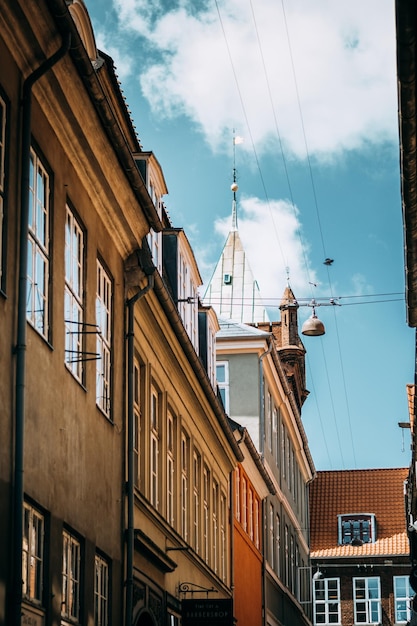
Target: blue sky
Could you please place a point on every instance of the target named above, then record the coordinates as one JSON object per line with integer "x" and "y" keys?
{"x": 311, "y": 88}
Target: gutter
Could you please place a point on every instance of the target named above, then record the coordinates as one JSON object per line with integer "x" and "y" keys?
{"x": 20, "y": 350}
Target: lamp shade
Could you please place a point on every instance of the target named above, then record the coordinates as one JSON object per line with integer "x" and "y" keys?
{"x": 313, "y": 327}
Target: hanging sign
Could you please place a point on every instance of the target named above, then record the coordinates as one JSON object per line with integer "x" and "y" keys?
{"x": 207, "y": 612}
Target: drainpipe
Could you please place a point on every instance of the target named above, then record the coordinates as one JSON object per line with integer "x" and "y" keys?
{"x": 20, "y": 349}
{"x": 130, "y": 484}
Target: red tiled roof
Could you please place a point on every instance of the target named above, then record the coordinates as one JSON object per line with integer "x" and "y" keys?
{"x": 377, "y": 491}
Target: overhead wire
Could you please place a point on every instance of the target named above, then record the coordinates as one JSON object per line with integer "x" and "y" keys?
{"x": 313, "y": 187}
{"x": 314, "y": 192}
{"x": 315, "y": 201}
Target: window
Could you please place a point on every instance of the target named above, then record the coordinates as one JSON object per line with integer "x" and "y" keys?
{"x": 292, "y": 564}
{"x": 74, "y": 293}
{"x": 271, "y": 537}
{"x": 187, "y": 299}
{"x": 275, "y": 432}
{"x": 206, "y": 513}
{"x": 137, "y": 423}
{"x": 3, "y": 121}
{"x": 326, "y": 601}
{"x": 278, "y": 543}
{"x": 269, "y": 424}
{"x": 237, "y": 474}
{"x": 170, "y": 468}
{"x": 244, "y": 504}
{"x": 32, "y": 553}
{"x": 196, "y": 501}
{"x": 215, "y": 526}
{"x": 223, "y": 536}
{"x": 287, "y": 556}
{"x": 103, "y": 321}
{"x": 38, "y": 246}
{"x": 250, "y": 513}
{"x": 71, "y": 564}
{"x": 367, "y": 600}
{"x": 184, "y": 485}
{"x": 101, "y": 592}
{"x": 222, "y": 374}
{"x": 283, "y": 449}
{"x": 403, "y": 595}
{"x": 154, "y": 452}
{"x": 357, "y": 528}
{"x": 256, "y": 532}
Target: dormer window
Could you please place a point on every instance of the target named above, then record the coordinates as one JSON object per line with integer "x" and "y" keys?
{"x": 356, "y": 529}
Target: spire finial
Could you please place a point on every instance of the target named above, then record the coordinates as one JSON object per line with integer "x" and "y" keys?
{"x": 234, "y": 186}
{"x": 287, "y": 269}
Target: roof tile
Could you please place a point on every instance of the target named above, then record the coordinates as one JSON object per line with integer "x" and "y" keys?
{"x": 377, "y": 491}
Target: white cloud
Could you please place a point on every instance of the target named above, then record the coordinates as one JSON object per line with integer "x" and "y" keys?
{"x": 336, "y": 60}
{"x": 270, "y": 233}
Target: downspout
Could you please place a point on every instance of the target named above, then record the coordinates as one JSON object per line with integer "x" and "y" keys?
{"x": 130, "y": 484}
{"x": 20, "y": 350}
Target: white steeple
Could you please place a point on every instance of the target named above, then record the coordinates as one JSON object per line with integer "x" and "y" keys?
{"x": 233, "y": 291}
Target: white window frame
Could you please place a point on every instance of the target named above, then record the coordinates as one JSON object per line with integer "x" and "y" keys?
{"x": 402, "y": 599}
{"x": 137, "y": 422}
{"x": 237, "y": 487}
{"x": 206, "y": 514}
{"x": 269, "y": 422}
{"x": 185, "y": 444}
{"x": 223, "y": 385}
{"x": 326, "y": 596}
{"x": 32, "y": 553}
{"x": 244, "y": 504}
{"x": 104, "y": 306}
{"x": 170, "y": 456}
{"x": 278, "y": 543}
{"x": 101, "y": 591}
{"x": 347, "y": 530}
{"x": 215, "y": 526}
{"x": 71, "y": 572}
{"x": 223, "y": 551}
{"x": 196, "y": 500}
{"x": 369, "y": 603}
{"x": 256, "y": 530}
{"x": 287, "y": 555}
{"x": 250, "y": 513}
{"x": 37, "y": 303}
{"x": 154, "y": 446}
{"x": 74, "y": 294}
{"x": 271, "y": 541}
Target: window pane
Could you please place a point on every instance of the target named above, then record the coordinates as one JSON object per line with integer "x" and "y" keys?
{"x": 38, "y": 246}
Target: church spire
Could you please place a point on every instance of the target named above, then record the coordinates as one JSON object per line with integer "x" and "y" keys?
{"x": 234, "y": 186}
{"x": 233, "y": 291}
